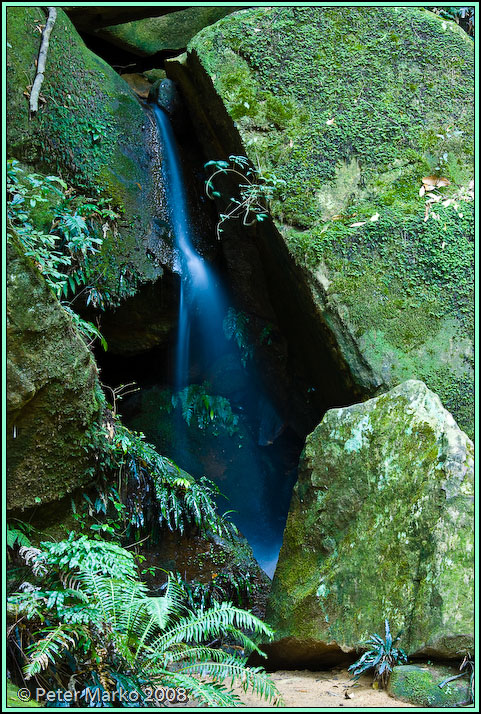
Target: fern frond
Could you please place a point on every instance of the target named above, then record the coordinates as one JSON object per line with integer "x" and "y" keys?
{"x": 213, "y": 694}
{"x": 49, "y": 648}
{"x": 211, "y": 623}
{"x": 235, "y": 670}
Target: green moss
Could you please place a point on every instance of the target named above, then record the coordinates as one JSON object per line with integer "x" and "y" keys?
{"x": 89, "y": 129}
{"x": 379, "y": 527}
{"x": 167, "y": 32}
{"x": 419, "y": 685}
{"x": 53, "y": 391}
{"x": 373, "y": 100}
{"x": 13, "y": 699}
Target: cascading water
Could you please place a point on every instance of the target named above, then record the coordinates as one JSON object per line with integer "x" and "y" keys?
{"x": 254, "y": 486}
{"x": 200, "y": 295}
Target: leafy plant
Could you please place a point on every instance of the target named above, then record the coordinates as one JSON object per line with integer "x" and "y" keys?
{"x": 105, "y": 633}
{"x": 62, "y": 254}
{"x": 224, "y": 586}
{"x": 381, "y": 657}
{"x": 463, "y": 16}
{"x": 255, "y": 189}
{"x": 206, "y": 409}
{"x": 153, "y": 489}
{"x": 235, "y": 327}
{"x": 19, "y": 534}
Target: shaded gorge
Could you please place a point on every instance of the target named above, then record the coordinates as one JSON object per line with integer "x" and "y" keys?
{"x": 227, "y": 390}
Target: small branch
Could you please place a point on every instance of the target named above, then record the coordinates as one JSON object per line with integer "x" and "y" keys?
{"x": 42, "y": 58}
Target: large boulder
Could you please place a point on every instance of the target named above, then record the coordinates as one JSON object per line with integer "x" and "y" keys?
{"x": 146, "y": 37}
{"x": 419, "y": 685}
{"x": 53, "y": 393}
{"x": 90, "y": 128}
{"x": 380, "y": 526}
{"x": 353, "y": 107}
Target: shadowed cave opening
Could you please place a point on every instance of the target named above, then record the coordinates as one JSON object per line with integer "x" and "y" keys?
{"x": 256, "y": 383}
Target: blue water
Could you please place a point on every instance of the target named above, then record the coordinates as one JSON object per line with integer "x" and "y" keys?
{"x": 260, "y": 504}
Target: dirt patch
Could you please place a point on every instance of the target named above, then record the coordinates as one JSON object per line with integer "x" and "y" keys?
{"x": 333, "y": 688}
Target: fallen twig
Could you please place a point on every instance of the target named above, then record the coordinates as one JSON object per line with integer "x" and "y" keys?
{"x": 42, "y": 58}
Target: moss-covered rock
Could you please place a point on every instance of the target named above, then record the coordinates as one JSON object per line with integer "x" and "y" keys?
{"x": 53, "y": 393}
{"x": 380, "y": 526}
{"x": 168, "y": 32}
{"x": 211, "y": 560}
{"x": 13, "y": 699}
{"x": 420, "y": 685}
{"x": 90, "y": 128}
{"x": 353, "y": 107}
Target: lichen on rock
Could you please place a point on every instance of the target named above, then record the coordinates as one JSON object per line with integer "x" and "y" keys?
{"x": 352, "y": 107}
{"x": 53, "y": 392}
{"x": 380, "y": 526}
{"x": 90, "y": 128}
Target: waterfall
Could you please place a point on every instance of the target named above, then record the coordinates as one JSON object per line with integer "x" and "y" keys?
{"x": 201, "y": 298}
{"x": 258, "y": 497}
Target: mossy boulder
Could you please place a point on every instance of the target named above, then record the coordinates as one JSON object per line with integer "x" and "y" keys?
{"x": 53, "y": 393}
{"x": 90, "y": 128}
{"x": 157, "y": 34}
{"x": 14, "y": 701}
{"x": 380, "y": 526}
{"x": 353, "y": 107}
{"x": 210, "y": 559}
{"x": 420, "y": 685}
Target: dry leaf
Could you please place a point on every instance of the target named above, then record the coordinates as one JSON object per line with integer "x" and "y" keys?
{"x": 435, "y": 181}
{"x": 422, "y": 190}
{"x": 355, "y": 225}
{"x": 329, "y": 122}
{"x": 375, "y": 217}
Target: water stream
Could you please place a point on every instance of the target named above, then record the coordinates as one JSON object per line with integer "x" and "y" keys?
{"x": 253, "y": 480}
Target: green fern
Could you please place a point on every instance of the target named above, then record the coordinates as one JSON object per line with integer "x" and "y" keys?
{"x": 144, "y": 640}
{"x": 236, "y": 327}
{"x": 18, "y": 536}
{"x": 207, "y": 410}
{"x": 162, "y": 488}
{"x": 49, "y": 648}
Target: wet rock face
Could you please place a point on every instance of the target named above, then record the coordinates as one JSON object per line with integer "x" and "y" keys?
{"x": 53, "y": 394}
{"x": 210, "y": 560}
{"x": 170, "y": 31}
{"x": 380, "y": 526}
{"x": 342, "y": 104}
{"x": 91, "y": 129}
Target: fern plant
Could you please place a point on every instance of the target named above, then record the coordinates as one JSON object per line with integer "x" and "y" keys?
{"x": 118, "y": 636}
{"x": 151, "y": 486}
{"x": 381, "y": 657}
{"x": 236, "y": 327}
{"x": 205, "y": 409}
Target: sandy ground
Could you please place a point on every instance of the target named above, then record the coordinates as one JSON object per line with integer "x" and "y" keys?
{"x": 333, "y": 688}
